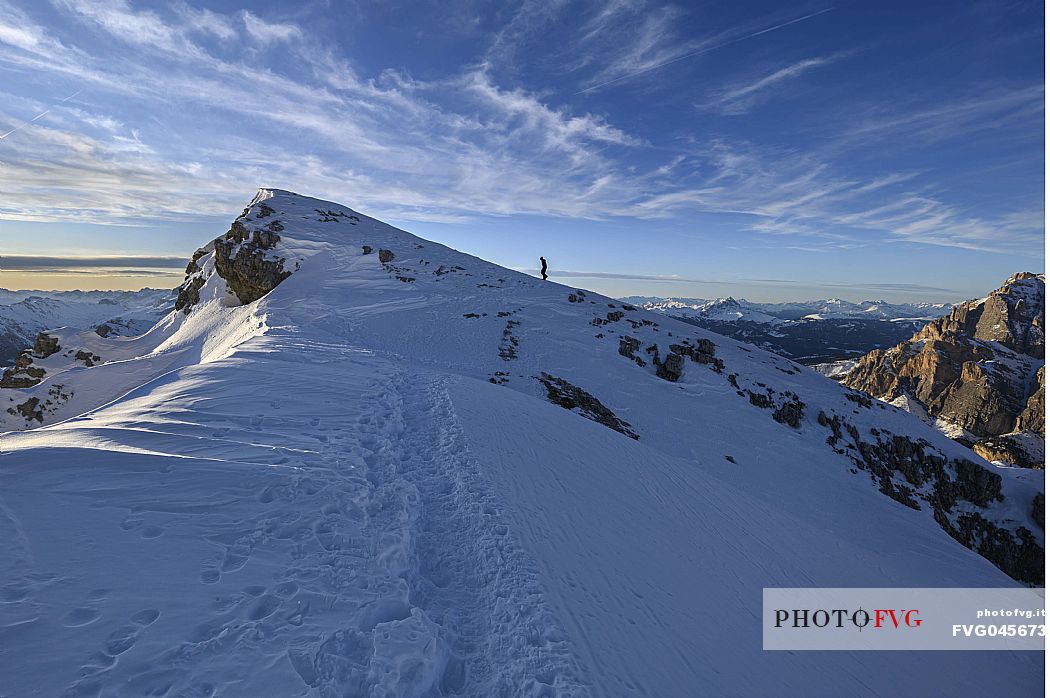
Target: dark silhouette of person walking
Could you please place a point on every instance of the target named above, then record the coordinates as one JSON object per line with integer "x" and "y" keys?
{"x": 543, "y": 268}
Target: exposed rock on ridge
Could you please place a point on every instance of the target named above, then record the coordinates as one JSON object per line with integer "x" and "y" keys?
{"x": 244, "y": 260}
{"x": 24, "y": 374}
{"x": 246, "y": 257}
{"x": 564, "y": 394}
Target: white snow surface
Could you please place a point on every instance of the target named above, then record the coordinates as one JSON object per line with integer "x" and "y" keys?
{"x": 322, "y": 494}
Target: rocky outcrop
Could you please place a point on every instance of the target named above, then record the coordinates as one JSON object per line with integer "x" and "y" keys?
{"x": 1009, "y": 450}
{"x": 45, "y": 345}
{"x": 508, "y": 345}
{"x": 189, "y": 295}
{"x": 628, "y": 346}
{"x": 245, "y": 257}
{"x": 1033, "y": 416}
{"x": 671, "y": 368}
{"x": 37, "y": 408}
{"x": 24, "y": 374}
{"x": 791, "y": 412}
{"x": 916, "y": 474}
{"x": 564, "y": 394}
{"x": 973, "y": 368}
{"x": 87, "y": 357}
{"x": 28, "y": 410}
{"x": 244, "y": 260}
{"x": 1012, "y": 316}
{"x": 1016, "y": 553}
{"x": 702, "y": 351}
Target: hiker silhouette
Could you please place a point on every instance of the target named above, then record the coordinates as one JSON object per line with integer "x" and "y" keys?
{"x": 543, "y": 268}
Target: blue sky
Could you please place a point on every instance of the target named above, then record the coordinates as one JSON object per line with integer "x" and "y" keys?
{"x": 767, "y": 150}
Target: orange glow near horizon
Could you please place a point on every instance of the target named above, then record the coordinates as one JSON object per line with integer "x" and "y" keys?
{"x": 94, "y": 280}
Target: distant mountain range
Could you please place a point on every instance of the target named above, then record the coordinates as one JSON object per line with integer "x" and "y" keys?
{"x": 811, "y": 332}
{"x": 120, "y": 313}
{"x": 732, "y": 309}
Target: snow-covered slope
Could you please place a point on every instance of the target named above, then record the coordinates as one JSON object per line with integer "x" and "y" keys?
{"x": 407, "y": 471}
{"x": 24, "y": 313}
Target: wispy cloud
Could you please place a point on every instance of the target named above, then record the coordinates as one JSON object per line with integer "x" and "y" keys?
{"x": 643, "y": 40}
{"x": 655, "y": 47}
{"x": 738, "y": 99}
{"x": 269, "y": 32}
{"x": 447, "y": 149}
{"x": 206, "y": 22}
{"x": 805, "y": 197}
{"x": 451, "y": 148}
{"x": 989, "y": 110}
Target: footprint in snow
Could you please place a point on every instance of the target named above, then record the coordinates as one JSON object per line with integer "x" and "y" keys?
{"x": 286, "y": 589}
{"x": 124, "y": 638}
{"x": 264, "y": 607}
{"x": 236, "y": 556}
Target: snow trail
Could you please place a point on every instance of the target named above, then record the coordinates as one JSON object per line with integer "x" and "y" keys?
{"x": 351, "y": 541}
{"x": 473, "y": 577}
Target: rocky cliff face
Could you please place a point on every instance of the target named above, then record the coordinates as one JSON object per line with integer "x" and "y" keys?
{"x": 246, "y": 257}
{"x": 978, "y": 372}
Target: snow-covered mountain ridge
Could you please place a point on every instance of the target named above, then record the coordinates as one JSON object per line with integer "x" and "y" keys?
{"x": 828, "y": 309}
{"x": 355, "y": 462}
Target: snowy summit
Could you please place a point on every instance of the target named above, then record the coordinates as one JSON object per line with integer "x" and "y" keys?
{"x": 350, "y": 461}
